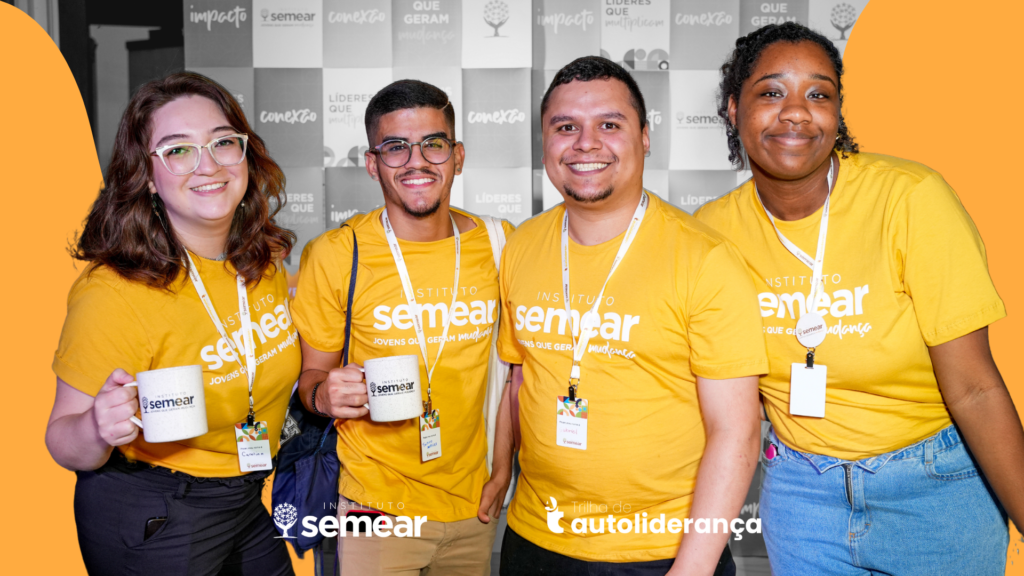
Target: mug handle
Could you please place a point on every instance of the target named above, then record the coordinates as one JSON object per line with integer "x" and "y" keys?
{"x": 134, "y": 420}
{"x": 367, "y": 405}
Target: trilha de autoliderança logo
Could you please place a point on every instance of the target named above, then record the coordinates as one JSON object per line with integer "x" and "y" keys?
{"x": 382, "y": 526}
{"x": 640, "y": 523}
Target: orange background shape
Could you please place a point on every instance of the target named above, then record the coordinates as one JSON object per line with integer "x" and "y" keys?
{"x": 928, "y": 80}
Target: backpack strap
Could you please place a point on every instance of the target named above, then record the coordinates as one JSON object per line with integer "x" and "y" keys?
{"x": 497, "y": 369}
{"x": 496, "y": 232}
{"x": 348, "y": 315}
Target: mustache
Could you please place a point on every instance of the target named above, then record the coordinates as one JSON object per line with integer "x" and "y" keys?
{"x": 418, "y": 172}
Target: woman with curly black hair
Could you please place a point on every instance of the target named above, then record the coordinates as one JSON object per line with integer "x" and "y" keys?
{"x": 894, "y": 445}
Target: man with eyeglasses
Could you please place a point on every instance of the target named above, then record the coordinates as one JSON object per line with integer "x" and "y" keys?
{"x": 416, "y": 258}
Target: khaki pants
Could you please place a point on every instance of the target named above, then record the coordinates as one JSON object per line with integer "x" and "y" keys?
{"x": 460, "y": 548}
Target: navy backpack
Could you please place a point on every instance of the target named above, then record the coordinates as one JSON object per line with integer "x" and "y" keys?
{"x": 306, "y": 479}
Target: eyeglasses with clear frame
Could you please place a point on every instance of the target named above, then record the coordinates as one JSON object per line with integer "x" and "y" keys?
{"x": 183, "y": 158}
{"x": 397, "y": 153}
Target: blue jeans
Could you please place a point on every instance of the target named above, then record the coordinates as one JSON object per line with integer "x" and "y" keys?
{"x": 923, "y": 509}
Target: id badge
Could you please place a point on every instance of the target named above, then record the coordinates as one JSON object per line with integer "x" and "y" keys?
{"x": 253, "y": 445}
{"x": 430, "y": 436}
{"x": 807, "y": 390}
{"x": 571, "y": 422}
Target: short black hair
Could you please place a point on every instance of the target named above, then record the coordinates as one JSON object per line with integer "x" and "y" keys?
{"x": 404, "y": 94}
{"x": 590, "y": 68}
{"x": 740, "y": 65}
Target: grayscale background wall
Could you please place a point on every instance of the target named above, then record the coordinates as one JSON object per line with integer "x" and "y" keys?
{"x": 322, "y": 60}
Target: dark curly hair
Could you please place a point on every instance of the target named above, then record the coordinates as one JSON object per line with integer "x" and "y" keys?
{"x": 126, "y": 230}
{"x": 741, "y": 63}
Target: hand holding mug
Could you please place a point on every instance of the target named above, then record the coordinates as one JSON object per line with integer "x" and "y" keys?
{"x": 343, "y": 393}
{"x": 114, "y": 409}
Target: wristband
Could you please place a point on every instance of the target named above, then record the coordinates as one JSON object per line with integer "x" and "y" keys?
{"x": 313, "y": 401}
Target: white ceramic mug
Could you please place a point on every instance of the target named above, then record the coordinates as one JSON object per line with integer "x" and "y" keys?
{"x": 393, "y": 387}
{"x": 173, "y": 403}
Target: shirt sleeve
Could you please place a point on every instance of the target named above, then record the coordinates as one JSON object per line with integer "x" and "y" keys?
{"x": 321, "y": 297}
{"x": 940, "y": 260}
{"x": 508, "y": 347}
{"x": 724, "y": 323}
{"x": 101, "y": 333}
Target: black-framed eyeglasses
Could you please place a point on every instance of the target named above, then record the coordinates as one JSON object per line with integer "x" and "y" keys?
{"x": 397, "y": 153}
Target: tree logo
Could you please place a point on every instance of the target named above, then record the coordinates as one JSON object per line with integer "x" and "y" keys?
{"x": 264, "y": 13}
{"x": 495, "y": 15}
{"x": 373, "y": 389}
{"x": 145, "y": 404}
{"x": 285, "y": 516}
{"x": 843, "y": 17}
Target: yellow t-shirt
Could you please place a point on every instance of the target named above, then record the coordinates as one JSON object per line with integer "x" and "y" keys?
{"x": 381, "y": 465}
{"x": 116, "y": 323}
{"x": 904, "y": 269}
{"x": 678, "y": 306}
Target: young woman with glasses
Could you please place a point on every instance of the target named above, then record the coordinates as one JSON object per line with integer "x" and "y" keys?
{"x": 187, "y": 211}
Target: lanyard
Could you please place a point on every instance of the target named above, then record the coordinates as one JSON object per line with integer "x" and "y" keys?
{"x": 249, "y": 368}
{"x": 817, "y": 263}
{"x": 414, "y": 308}
{"x": 591, "y": 320}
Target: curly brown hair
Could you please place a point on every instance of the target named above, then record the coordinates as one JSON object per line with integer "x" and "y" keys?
{"x": 740, "y": 66}
{"x": 127, "y": 228}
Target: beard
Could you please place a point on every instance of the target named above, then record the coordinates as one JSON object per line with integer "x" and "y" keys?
{"x": 599, "y": 196}
{"x": 428, "y": 210}
{"x": 422, "y": 211}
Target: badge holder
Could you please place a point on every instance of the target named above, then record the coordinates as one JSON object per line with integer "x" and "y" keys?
{"x": 571, "y": 416}
{"x": 807, "y": 379}
{"x": 430, "y": 433}
{"x": 252, "y": 440}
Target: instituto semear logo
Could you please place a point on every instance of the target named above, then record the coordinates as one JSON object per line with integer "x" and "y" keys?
{"x": 842, "y": 18}
{"x": 286, "y": 515}
{"x": 495, "y": 15}
{"x": 287, "y": 16}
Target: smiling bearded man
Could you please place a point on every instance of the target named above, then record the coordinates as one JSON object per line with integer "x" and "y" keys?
{"x": 416, "y": 258}
{"x": 635, "y": 332}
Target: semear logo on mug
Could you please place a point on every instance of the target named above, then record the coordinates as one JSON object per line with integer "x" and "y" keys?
{"x": 394, "y": 385}
{"x": 177, "y": 409}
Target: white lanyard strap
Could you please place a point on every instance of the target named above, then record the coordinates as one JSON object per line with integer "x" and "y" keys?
{"x": 249, "y": 368}
{"x": 817, "y": 263}
{"x": 590, "y": 321}
{"x": 410, "y": 295}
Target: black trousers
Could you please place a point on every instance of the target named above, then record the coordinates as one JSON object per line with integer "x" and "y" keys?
{"x": 215, "y": 526}
{"x": 520, "y": 557}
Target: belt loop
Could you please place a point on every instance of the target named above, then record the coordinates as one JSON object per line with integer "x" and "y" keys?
{"x": 182, "y": 489}
{"x": 929, "y": 451}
